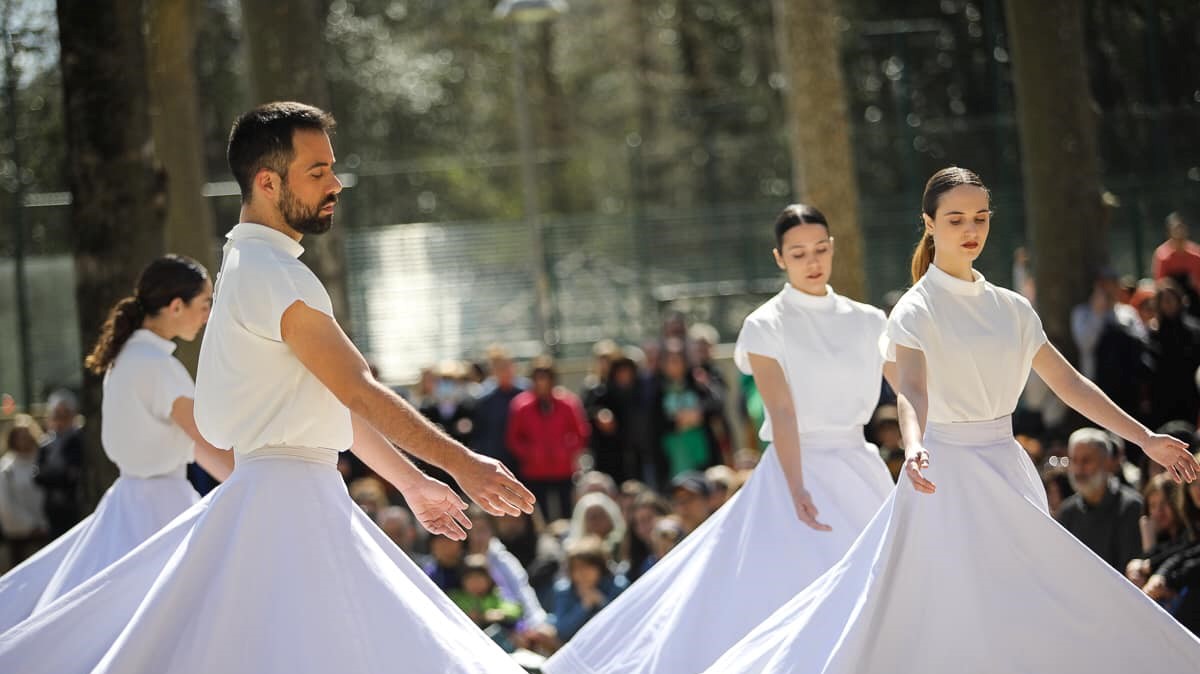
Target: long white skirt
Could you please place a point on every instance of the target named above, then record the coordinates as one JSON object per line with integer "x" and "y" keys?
{"x": 749, "y": 558}
{"x": 132, "y": 510}
{"x": 275, "y": 571}
{"x": 974, "y": 578}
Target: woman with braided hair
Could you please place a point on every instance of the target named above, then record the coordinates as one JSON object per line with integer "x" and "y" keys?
{"x": 147, "y": 430}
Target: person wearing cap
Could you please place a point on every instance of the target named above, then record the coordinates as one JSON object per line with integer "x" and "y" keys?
{"x": 815, "y": 358}
{"x": 690, "y": 494}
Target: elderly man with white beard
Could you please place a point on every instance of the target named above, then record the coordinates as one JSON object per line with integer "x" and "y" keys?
{"x": 1103, "y": 513}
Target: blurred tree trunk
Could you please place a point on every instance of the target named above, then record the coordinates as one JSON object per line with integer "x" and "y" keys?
{"x": 117, "y": 189}
{"x": 178, "y": 136}
{"x": 556, "y": 125}
{"x": 695, "y": 45}
{"x": 647, "y": 97}
{"x": 808, "y": 39}
{"x": 1060, "y": 162}
{"x": 284, "y": 44}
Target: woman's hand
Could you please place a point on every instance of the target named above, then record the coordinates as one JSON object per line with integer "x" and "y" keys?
{"x": 1172, "y": 454}
{"x": 1156, "y": 588}
{"x": 917, "y": 462}
{"x": 806, "y": 510}
{"x": 1138, "y": 571}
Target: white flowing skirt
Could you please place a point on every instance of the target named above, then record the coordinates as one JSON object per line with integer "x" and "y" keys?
{"x": 749, "y": 558}
{"x": 275, "y": 571}
{"x": 974, "y": 578}
{"x": 132, "y": 510}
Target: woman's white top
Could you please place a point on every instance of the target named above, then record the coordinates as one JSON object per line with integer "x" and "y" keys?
{"x": 251, "y": 390}
{"x": 140, "y": 389}
{"x": 828, "y": 348}
{"x": 979, "y": 342}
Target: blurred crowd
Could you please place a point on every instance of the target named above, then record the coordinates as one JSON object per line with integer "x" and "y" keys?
{"x": 645, "y": 450}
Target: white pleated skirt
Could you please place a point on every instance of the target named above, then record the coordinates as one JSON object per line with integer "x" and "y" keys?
{"x": 749, "y": 558}
{"x": 974, "y": 578}
{"x": 132, "y": 510}
{"x": 275, "y": 571}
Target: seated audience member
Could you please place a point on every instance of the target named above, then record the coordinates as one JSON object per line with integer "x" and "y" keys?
{"x": 1170, "y": 526}
{"x": 370, "y": 494}
{"x": 647, "y": 511}
{"x": 1175, "y": 574}
{"x": 444, "y": 567}
{"x": 510, "y": 577}
{"x": 885, "y": 433}
{"x": 668, "y": 532}
{"x": 594, "y": 481}
{"x": 598, "y": 515}
{"x": 630, "y": 491}
{"x": 1058, "y": 487}
{"x": 398, "y": 523}
{"x": 1162, "y": 526}
{"x": 483, "y": 602}
{"x": 724, "y": 482}
{"x": 589, "y": 586}
{"x": 1103, "y": 513}
{"x": 537, "y": 548}
{"x": 746, "y": 459}
{"x": 690, "y": 492}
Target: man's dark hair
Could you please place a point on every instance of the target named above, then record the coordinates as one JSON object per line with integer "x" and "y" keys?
{"x": 262, "y": 139}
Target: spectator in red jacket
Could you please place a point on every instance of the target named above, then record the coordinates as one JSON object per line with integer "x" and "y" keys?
{"x": 547, "y": 432}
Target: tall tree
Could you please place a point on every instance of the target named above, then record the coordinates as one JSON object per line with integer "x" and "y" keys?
{"x": 808, "y": 38}
{"x": 117, "y": 190}
{"x": 178, "y": 134}
{"x": 1060, "y": 162}
{"x": 284, "y": 43}
{"x": 556, "y": 125}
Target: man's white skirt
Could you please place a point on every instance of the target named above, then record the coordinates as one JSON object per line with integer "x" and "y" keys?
{"x": 278, "y": 570}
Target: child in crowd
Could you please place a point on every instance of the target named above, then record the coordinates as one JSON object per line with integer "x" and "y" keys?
{"x": 589, "y": 586}
{"x": 480, "y": 599}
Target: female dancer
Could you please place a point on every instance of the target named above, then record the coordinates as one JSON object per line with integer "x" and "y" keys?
{"x": 815, "y": 358}
{"x": 963, "y": 570}
{"x": 148, "y": 431}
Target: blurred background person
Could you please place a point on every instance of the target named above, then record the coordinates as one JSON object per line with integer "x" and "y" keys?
{"x": 60, "y": 462}
{"x": 1175, "y": 352}
{"x": 684, "y": 408}
{"x": 588, "y": 587}
{"x": 490, "y": 410}
{"x": 23, "y": 519}
{"x": 547, "y": 432}
{"x": 1103, "y": 513}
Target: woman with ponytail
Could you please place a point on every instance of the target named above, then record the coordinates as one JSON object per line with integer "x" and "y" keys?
{"x": 963, "y": 569}
{"x": 147, "y": 430}
{"x": 815, "y": 358}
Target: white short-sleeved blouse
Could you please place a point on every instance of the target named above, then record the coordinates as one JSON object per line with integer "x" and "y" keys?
{"x": 828, "y": 349}
{"x": 140, "y": 389}
{"x": 978, "y": 340}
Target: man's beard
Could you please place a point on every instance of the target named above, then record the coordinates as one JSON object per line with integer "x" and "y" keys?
{"x": 1095, "y": 484}
{"x": 302, "y": 219}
